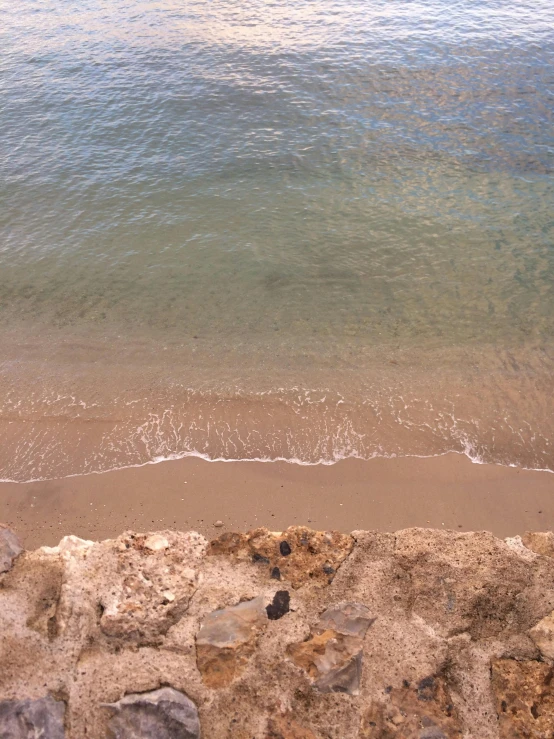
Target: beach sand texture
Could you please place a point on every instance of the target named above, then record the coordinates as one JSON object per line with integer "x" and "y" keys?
{"x": 381, "y": 494}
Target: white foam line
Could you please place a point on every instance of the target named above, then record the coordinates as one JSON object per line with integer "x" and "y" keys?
{"x": 268, "y": 460}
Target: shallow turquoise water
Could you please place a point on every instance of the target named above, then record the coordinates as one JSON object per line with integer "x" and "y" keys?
{"x": 298, "y": 193}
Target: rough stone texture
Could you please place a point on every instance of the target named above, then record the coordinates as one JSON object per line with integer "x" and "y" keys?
{"x": 543, "y": 635}
{"x": 541, "y": 542}
{"x": 420, "y": 633}
{"x": 424, "y": 711}
{"x": 32, "y": 719}
{"x": 298, "y": 554}
{"x": 151, "y": 585}
{"x": 524, "y": 696}
{"x": 440, "y": 575}
{"x": 227, "y": 639}
{"x": 285, "y": 727}
{"x": 9, "y": 548}
{"x": 42, "y": 579}
{"x": 159, "y": 714}
{"x": 333, "y": 655}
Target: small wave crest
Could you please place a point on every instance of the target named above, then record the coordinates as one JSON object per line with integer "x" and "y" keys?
{"x": 59, "y": 435}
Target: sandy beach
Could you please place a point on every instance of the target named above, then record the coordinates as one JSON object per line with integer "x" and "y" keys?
{"x": 382, "y": 494}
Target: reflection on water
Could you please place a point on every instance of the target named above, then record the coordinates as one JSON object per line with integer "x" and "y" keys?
{"x": 285, "y": 190}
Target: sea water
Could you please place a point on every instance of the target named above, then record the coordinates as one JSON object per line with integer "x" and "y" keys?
{"x": 275, "y": 230}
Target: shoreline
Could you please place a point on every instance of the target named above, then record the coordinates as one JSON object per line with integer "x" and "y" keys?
{"x": 383, "y": 494}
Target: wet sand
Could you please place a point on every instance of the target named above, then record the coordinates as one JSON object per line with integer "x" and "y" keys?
{"x": 382, "y": 494}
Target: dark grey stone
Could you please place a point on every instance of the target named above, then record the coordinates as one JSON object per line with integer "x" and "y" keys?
{"x": 160, "y": 714}
{"x": 280, "y": 605}
{"x": 32, "y": 719}
{"x": 9, "y": 548}
{"x": 284, "y": 548}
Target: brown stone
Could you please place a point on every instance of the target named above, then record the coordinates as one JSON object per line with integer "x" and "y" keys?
{"x": 285, "y": 727}
{"x": 229, "y": 543}
{"x": 543, "y": 635}
{"x": 332, "y": 656}
{"x": 540, "y": 542}
{"x": 524, "y": 698}
{"x": 310, "y": 653}
{"x": 300, "y": 554}
{"x": 227, "y": 639}
{"x": 422, "y": 711}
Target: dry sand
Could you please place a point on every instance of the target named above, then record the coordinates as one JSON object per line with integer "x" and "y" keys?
{"x": 382, "y": 494}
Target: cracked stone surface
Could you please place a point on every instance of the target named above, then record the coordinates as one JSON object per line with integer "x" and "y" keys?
{"x": 32, "y": 719}
{"x": 333, "y": 655}
{"x": 153, "y": 580}
{"x": 281, "y": 635}
{"x": 158, "y": 714}
{"x": 227, "y": 639}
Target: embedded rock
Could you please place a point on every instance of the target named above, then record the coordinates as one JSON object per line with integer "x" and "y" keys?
{"x": 417, "y": 634}
{"x": 70, "y": 544}
{"x": 10, "y": 548}
{"x": 227, "y": 639}
{"x": 156, "y": 543}
{"x": 350, "y": 619}
{"x": 424, "y": 711}
{"x": 298, "y": 555}
{"x": 160, "y": 714}
{"x": 32, "y": 719}
{"x": 543, "y": 636}
{"x": 540, "y": 542}
{"x": 280, "y": 605}
{"x": 332, "y": 657}
{"x": 524, "y": 697}
{"x": 151, "y": 581}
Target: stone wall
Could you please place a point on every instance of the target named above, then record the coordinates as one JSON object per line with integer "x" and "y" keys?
{"x": 294, "y": 635}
